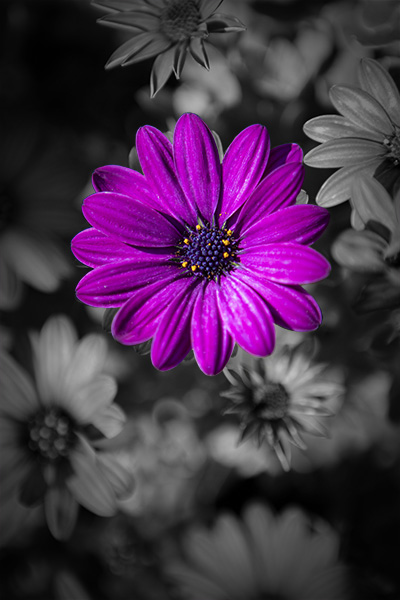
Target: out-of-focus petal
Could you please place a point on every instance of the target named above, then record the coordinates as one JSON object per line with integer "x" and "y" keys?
{"x": 360, "y": 251}
{"x": 18, "y": 397}
{"x": 287, "y": 263}
{"x": 303, "y": 223}
{"x": 361, "y": 109}
{"x": 172, "y": 341}
{"x": 92, "y": 397}
{"x": 197, "y": 164}
{"x": 109, "y": 420}
{"x": 242, "y": 167}
{"x": 221, "y": 23}
{"x": 129, "y": 220}
{"x": 86, "y": 363}
{"x": 61, "y": 510}
{"x": 372, "y": 202}
{"x": 246, "y": 316}
{"x": 120, "y": 478}
{"x": 112, "y": 285}
{"x": 212, "y": 344}
{"x": 156, "y": 158}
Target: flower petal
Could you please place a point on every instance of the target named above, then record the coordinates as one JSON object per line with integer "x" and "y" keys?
{"x": 125, "y": 181}
{"x": 242, "y": 167}
{"x": 136, "y": 321}
{"x": 92, "y": 397}
{"x": 94, "y": 248}
{"x": 281, "y": 155}
{"x": 360, "y": 251}
{"x": 88, "y": 484}
{"x": 372, "y": 202}
{"x": 291, "y": 306}
{"x": 279, "y": 189}
{"x": 129, "y": 220}
{"x": 221, "y": 23}
{"x": 336, "y": 188}
{"x": 303, "y": 224}
{"x": 212, "y": 343}
{"x": 198, "y": 51}
{"x": 375, "y": 80}
{"x": 197, "y": 164}
{"x": 344, "y": 152}
{"x": 109, "y": 420}
{"x": 156, "y": 158}
{"x": 207, "y": 7}
{"x": 141, "y": 47}
{"x": 87, "y": 362}
{"x": 112, "y": 285}
{"x": 246, "y": 316}
{"x": 287, "y": 263}
{"x": 330, "y": 127}
{"x": 120, "y": 478}
{"x": 172, "y": 340}
{"x": 132, "y": 19}
{"x": 61, "y": 510}
{"x": 18, "y": 396}
{"x": 161, "y": 70}
{"x": 361, "y": 109}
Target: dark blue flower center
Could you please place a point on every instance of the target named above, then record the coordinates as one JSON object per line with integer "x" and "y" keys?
{"x": 179, "y": 19}
{"x": 393, "y": 145}
{"x": 51, "y": 434}
{"x": 208, "y": 251}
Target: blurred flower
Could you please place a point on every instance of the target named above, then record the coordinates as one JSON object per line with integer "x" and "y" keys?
{"x": 364, "y": 140}
{"x": 36, "y": 187}
{"x": 222, "y": 254}
{"x": 167, "y": 29}
{"x": 278, "y": 397}
{"x": 261, "y": 556}
{"x": 376, "y": 23}
{"x": 50, "y": 426}
{"x": 376, "y": 249}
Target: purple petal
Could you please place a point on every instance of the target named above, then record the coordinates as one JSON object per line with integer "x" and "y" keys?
{"x": 303, "y": 224}
{"x": 129, "y": 221}
{"x": 281, "y": 155}
{"x": 246, "y": 316}
{"x": 112, "y": 285}
{"x": 156, "y": 158}
{"x": 94, "y": 249}
{"x": 136, "y": 321}
{"x": 197, "y": 164}
{"x": 287, "y": 263}
{"x": 122, "y": 180}
{"x": 291, "y": 306}
{"x": 279, "y": 189}
{"x": 172, "y": 341}
{"x": 242, "y": 167}
{"x": 211, "y": 341}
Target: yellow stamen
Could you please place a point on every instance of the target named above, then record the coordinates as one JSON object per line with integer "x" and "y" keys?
{"x": 229, "y": 232}
{"x": 185, "y": 263}
{"x": 198, "y": 227}
{"x": 226, "y": 254}
{"x": 193, "y": 267}
{"x": 225, "y": 242}
{"x": 186, "y": 241}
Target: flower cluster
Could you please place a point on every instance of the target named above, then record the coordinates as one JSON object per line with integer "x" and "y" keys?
{"x": 200, "y": 254}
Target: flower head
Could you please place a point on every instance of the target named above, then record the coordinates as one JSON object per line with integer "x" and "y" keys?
{"x": 51, "y": 425}
{"x": 365, "y": 139}
{"x": 199, "y": 254}
{"x": 280, "y": 396}
{"x": 167, "y": 29}
{"x": 261, "y": 556}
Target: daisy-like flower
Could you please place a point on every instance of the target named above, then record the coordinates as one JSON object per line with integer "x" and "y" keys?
{"x": 263, "y": 555}
{"x": 376, "y": 248}
{"x": 278, "y": 397}
{"x": 199, "y": 254}
{"x": 50, "y": 425}
{"x": 363, "y": 139}
{"x": 167, "y": 29}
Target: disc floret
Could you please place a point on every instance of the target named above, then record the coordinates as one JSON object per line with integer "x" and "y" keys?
{"x": 208, "y": 251}
{"x": 51, "y": 434}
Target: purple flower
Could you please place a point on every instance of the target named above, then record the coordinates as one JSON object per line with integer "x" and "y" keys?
{"x": 200, "y": 254}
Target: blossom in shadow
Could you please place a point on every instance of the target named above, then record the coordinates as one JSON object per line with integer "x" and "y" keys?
{"x": 37, "y": 187}
{"x": 261, "y": 556}
{"x": 375, "y": 249}
{"x": 50, "y": 426}
{"x": 200, "y": 254}
{"x": 279, "y": 397}
{"x": 167, "y": 30}
{"x": 363, "y": 139}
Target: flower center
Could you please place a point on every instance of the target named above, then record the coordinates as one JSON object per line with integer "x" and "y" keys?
{"x": 208, "y": 251}
{"x": 51, "y": 434}
{"x": 271, "y": 401}
{"x": 392, "y": 143}
{"x": 179, "y": 19}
